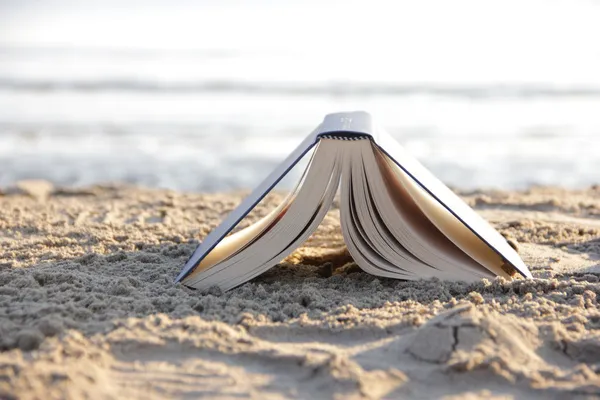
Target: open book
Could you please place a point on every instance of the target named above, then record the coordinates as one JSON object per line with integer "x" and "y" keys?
{"x": 397, "y": 219}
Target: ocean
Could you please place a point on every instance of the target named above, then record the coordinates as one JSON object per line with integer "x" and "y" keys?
{"x": 211, "y": 97}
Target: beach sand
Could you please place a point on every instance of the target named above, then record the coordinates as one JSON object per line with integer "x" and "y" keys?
{"x": 88, "y": 308}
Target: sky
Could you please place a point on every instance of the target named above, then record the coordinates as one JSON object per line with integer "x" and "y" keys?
{"x": 531, "y": 41}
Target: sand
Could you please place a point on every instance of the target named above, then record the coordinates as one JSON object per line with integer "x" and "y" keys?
{"x": 88, "y": 308}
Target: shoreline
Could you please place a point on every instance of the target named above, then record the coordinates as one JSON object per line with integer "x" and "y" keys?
{"x": 89, "y": 309}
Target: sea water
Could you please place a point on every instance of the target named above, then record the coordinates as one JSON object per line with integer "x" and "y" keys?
{"x": 210, "y": 96}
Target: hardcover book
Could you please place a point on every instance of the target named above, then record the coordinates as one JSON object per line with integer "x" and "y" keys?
{"x": 397, "y": 219}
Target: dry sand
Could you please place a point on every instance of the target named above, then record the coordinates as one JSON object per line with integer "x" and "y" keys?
{"x": 88, "y": 308}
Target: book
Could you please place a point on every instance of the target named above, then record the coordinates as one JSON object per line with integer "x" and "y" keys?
{"x": 397, "y": 219}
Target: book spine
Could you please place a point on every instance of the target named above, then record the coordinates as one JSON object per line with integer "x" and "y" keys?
{"x": 344, "y": 137}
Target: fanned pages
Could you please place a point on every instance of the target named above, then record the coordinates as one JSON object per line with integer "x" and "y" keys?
{"x": 394, "y": 224}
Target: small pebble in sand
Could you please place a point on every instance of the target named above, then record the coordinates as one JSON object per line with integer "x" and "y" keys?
{"x": 29, "y": 339}
{"x": 513, "y": 243}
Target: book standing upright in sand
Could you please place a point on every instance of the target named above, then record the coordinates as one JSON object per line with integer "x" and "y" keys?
{"x": 398, "y": 220}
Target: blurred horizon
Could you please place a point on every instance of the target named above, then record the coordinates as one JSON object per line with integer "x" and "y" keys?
{"x": 210, "y": 96}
